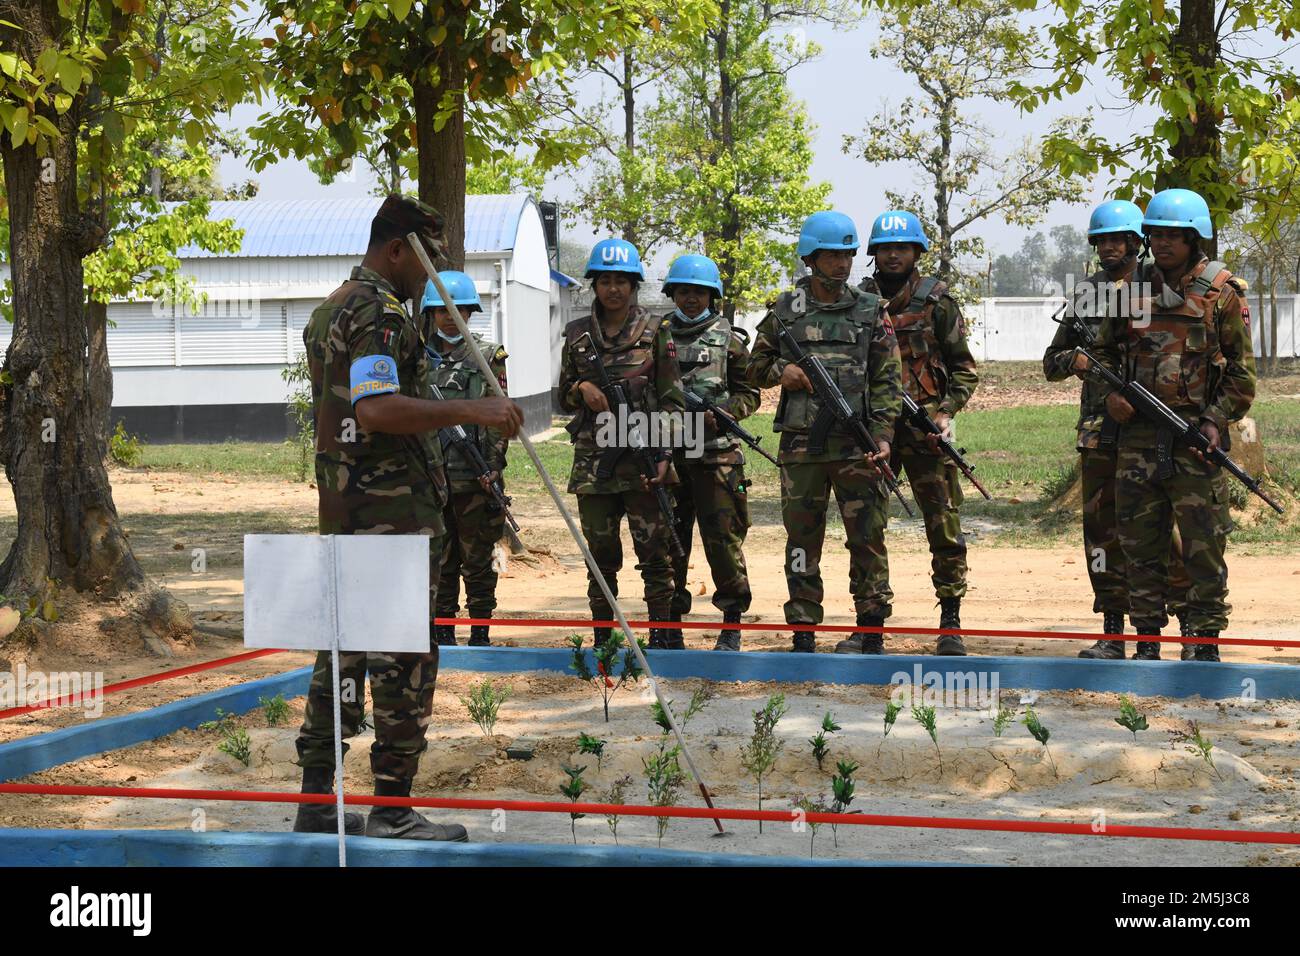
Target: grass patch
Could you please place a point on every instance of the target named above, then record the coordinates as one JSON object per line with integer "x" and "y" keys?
{"x": 248, "y": 459}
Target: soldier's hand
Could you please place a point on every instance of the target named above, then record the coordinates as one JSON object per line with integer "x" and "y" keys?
{"x": 594, "y": 397}
{"x": 710, "y": 423}
{"x": 793, "y": 379}
{"x": 500, "y": 414}
{"x": 1080, "y": 365}
{"x": 1211, "y": 433}
{"x": 661, "y": 473}
{"x": 488, "y": 480}
{"x": 1118, "y": 408}
{"x": 876, "y": 459}
{"x": 944, "y": 421}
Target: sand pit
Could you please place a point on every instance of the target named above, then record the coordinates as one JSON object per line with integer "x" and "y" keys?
{"x": 1096, "y": 773}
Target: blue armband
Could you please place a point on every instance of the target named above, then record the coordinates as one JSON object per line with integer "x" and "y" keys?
{"x": 373, "y": 375}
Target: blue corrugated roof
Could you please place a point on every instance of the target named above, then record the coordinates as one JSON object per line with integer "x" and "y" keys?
{"x": 564, "y": 280}
{"x": 341, "y": 227}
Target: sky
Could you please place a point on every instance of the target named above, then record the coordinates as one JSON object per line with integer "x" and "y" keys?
{"x": 841, "y": 89}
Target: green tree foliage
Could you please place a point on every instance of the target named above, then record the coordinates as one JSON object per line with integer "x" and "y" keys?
{"x": 1045, "y": 264}
{"x": 957, "y": 55}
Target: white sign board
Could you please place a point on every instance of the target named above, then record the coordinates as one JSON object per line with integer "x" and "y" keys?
{"x": 378, "y": 582}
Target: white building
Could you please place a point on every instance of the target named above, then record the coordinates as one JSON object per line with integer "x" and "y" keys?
{"x": 179, "y": 376}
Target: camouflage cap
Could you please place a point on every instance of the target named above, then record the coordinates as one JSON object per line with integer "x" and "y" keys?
{"x": 408, "y": 214}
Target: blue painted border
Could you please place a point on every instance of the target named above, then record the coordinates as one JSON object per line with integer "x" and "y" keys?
{"x": 1143, "y": 678}
{"x": 42, "y": 751}
{"x": 183, "y": 848}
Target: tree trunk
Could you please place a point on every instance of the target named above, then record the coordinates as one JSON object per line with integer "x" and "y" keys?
{"x": 942, "y": 197}
{"x": 100, "y": 385}
{"x": 1273, "y": 352}
{"x": 441, "y": 153}
{"x": 1196, "y": 154}
{"x": 730, "y": 233}
{"x": 68, "y": 529}
{"x": 630, "y": 228}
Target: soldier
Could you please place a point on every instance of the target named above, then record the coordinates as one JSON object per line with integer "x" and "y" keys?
{"x": 849, "y": 331}
{"x": 1115, "y": 231}
{"x": 378, "y": 471}
{"x": 711, "y": 487}
{"x": 636, "y": 348}
{"x": 1187, "y": 339}
{"x": 939, "y": 373}
{"x": 473, "y": 519}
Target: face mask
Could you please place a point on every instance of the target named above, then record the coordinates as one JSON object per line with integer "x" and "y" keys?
{"x": 454, "y": 340}
{"x": 834, "y": 286}
{"x": 684, "y": 319}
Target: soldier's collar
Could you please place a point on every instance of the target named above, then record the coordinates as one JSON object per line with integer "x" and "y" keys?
{"x": 846, "y": 300}
{"x": 632, "y": 328}
{"x": 365, "y": 274}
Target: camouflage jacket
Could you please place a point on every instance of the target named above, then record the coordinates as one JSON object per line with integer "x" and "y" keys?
{"x": 716, "y": 358}
{"x": 1192, "y": 347}
{"x": 361, "y": 341}
{"x": 644, "y": 357}
{"x": 1094, "y": 298}
{"x": 855, "y": 341}
{"x": 457, "y": 375}
{"x": 938, "y": 367}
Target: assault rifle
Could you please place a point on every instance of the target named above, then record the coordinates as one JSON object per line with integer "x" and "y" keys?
{"x": 727, "y": 424}
{"x": 455, "y": 435}
{"x": 834, "y": 408}
{"x": 919, "y": 419}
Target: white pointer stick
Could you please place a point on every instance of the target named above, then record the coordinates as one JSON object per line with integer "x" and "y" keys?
{"x": 450, "y": 306}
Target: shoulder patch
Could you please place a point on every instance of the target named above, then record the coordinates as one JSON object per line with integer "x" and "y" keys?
{"x": 886, "y": 323}
{"x": 672, "y": 349}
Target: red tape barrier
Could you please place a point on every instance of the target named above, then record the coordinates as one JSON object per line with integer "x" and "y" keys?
{"x": 139, "y": 682}
{"x": 700, "y": 813}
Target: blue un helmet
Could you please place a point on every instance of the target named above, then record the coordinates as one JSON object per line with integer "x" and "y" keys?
{"x": 1115, "y": 215}
{"x": 614, "y": 255}
{"x": 459, "y": 285}
{"x": 1179, "y": 208}
{"x": 897, "y": 225}
{"x": 693, "y": 270}
{"x": 827, "y": 230}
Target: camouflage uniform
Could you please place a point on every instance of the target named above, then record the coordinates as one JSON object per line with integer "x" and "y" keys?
{"x": 855, "y": 341}
{"x": 643, "y": 355}
{"x": 474, "y": 522}
{"x": 1193, "y": 353}
{"x": 1097, "y": 435}
{"x": 939, "y": 373}
{"x": 712, "y": 488}
{"x": 372, "y": 483}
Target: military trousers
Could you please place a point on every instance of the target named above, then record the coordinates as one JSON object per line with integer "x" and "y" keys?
{"x": 714, "y": 497}
{"x": 474, "y": 526}
{"x": 601, "y": 517}
{"x": 936, "y": 486}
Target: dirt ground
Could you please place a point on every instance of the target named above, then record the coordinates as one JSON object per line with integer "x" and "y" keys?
{"x": 1095, "y": 773}
{"x": 1256, "y": 749}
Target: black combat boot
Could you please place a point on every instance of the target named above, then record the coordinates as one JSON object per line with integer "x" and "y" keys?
{"x": 1185, "y": 629}
{"x": 403, "y": 823}
{"x": 323, "y": 817}
{"x": 600, "y": 635}
{"x": 950, "y": 645}
{"x": 804, "y": 643}
{"x": 1104, "y": 650}
{"x": 729, "y": 637}
{"x": 1207, "y": 652}
{"x": 862, "y": 643}
{"x": 444, "y": 635}
{"x": 478, "y": 636}
{"x": 1147, "y": 650}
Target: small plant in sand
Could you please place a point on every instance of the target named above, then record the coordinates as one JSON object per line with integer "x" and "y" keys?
{"x": 573, "y": 789}
{"x": 616, "y": 795}
{"x": 818, "y": 742}
{"x": 237, "y": 744}
{"x": 1130, "y": 718}
{"x": 484, "y": 702}
{"x": 892, "y": 709}
{"x": 759, "y": 755}
{"x": 842, "y": 787}
{"x": 1197, "y": 743}
{"x": 1041, "y": 734}
{"x": 274, "y": 709}
{"x": 1003, "y": 719}
{"x": 699, "y": 700}
{"x": 664, "y": 780}
{"x": 592, "y": 747}
{"x": 809, "y": 805}
{"x": 607, "y": 661}
{"x": 223, "y": 722}
{"x": 927, "y": 717}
